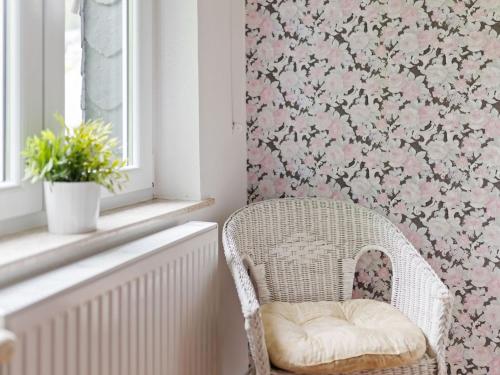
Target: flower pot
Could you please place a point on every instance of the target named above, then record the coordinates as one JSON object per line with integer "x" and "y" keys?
{"x": 72, "y": 207}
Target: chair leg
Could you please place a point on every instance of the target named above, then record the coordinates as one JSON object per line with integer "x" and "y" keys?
{"x": 251, "y": 365}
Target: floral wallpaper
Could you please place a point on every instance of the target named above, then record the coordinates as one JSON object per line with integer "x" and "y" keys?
{"x": 395, "y": 105}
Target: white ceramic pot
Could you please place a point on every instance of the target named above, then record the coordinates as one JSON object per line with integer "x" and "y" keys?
{"x": 72, "y": 207}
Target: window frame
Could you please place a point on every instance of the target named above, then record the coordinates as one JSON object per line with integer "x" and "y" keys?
{"x": 36, "y": 49}
{"x": 140, "y": 97}
{"x": 3, "y": 127}
{"x": 139, "y": 107}
{"x": 24, "y": 103}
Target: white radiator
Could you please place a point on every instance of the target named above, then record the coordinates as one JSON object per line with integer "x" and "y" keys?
{"x": 145, "y": 308}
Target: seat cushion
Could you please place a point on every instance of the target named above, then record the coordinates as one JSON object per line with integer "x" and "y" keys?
{"x": 340, "y": 337}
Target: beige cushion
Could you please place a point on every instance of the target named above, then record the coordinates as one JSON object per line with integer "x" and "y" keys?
{"x": 335, "y": 337}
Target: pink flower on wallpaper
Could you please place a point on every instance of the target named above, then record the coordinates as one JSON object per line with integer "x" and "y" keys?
{"x": 471, "y": 145}
{"x": 411, "y": 91}
{"x": 266, "y": 188}
{"x": 492, "y": 234}
{"x": 473, "y": 302}
{"x": 480, "y": 275}
{"x": 281, "y": 116}
{"x": 431, "y": 189}
{"x": 280, "y": 185}
{"x": 392, "y": 182}
{"x": 455, "y": 355}
{"x": 317, "y": 73}
{"x": 373, "y": 159}
{"x": 493, "y": 207}
{"x": 383, "y": 272}
{"x": 426, "y": 38}
{"x": 255, "y": 87}
{"x": 494, "y": 287}
{"x": 473, "y": 224}
{"x": 347, "y": 7}
{"x": 268, "y": 163}
{"x": 335, "y": 129}
{"x": 410, "y": 15}
{"x": 267, "y": 95}
{"x": 494, "y": 365}
{"x": 482, "y": 355}
{"x": 492, "y": 128}
{"x": 454, "y": 278}
{"x": 492, "y": 49}
{"x": 350, "y": 78}
{"x": 255, "y": 155}
{"x": 479, "y": 196}
{"x": 254, "y": 19}
{"x": 351, "y": 151}
{"x": 324, "y": 190}
{"x": 476, "y": 41}
{"x": 427, "y": 114}
{"x": 470, "y": 67}
{"x": 252, "y": 178}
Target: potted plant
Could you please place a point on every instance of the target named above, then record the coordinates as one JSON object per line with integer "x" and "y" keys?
{"x": 73, "y": 165}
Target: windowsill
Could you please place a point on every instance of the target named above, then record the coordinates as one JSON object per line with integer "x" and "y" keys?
{"x": 32, "y": 252}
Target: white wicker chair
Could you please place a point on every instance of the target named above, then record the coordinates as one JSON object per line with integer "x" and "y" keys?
{"x": 298, "y": 241}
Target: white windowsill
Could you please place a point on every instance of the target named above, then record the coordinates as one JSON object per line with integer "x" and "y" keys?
{"x": 28, "y": 253}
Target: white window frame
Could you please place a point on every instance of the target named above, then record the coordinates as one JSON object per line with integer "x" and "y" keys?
{"x": 3, "y": 17}
{"x": 139, "y": 106}
{"x": 24, "y": 104}
{"x": 36, "y": 91}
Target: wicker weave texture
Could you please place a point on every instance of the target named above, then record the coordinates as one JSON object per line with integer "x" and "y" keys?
{"x": 296, "y": 250}
{"x": 426, "y": 365}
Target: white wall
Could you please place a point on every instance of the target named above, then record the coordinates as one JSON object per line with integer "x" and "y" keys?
{"x": 177, "y": 111}
{"x": 222, "y": 152}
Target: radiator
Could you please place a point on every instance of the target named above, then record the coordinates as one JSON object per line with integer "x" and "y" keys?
{"x": 145, "y": 308}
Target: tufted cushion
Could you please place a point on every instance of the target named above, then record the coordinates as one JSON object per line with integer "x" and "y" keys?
{"x": 339, "y": 337}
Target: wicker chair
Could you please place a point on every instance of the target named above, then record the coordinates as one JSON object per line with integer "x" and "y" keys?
{"x": 298, "y": 241}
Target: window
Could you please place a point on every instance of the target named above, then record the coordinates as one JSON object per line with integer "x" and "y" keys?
{"x": 108, "y": 76}
{"x": 104, "y": 72}
{"x": 21, "y": 95}
{"x": 90, "y": 59}
{"x": 72, "y": 64}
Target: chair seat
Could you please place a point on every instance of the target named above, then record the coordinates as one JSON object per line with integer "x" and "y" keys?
{"x": 340, "y": 337}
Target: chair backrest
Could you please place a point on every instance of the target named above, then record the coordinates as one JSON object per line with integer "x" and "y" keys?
{"x": 306, "y": 249}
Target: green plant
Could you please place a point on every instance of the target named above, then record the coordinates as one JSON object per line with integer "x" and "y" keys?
{"x": 81, "y": 154}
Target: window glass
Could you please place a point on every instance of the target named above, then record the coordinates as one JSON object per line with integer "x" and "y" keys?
{"x": 97, "y": 65}
{"x": 73, "y": 64}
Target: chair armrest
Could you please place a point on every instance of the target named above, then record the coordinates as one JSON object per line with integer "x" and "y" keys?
{"x": 244, "y": 287}
{"x": 421, "y": 295}
{"x": 250, "y": 307}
